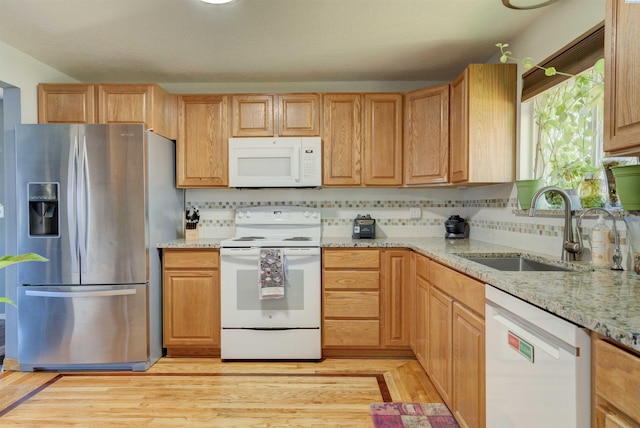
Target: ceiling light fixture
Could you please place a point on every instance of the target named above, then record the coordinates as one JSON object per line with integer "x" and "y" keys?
{"x": 216, "y": 1}
{"x": 508, "y": 4}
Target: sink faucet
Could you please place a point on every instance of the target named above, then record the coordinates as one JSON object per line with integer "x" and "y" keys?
{"x": 569, "y": 247}
{"x": 617, "y": 254}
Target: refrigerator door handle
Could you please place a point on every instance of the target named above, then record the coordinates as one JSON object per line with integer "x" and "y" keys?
{"x": 83, "y": 206}
{"x": 71, "y": 211}
{"x": 67, "y": 294}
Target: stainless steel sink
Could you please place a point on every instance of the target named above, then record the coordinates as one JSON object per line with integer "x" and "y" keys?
{"x": 517, "y": 264}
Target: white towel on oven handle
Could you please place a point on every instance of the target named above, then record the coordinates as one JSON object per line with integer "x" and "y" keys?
{"x": 272, "y": 273}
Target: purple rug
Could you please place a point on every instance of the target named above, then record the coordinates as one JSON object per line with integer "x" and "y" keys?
{"x": 406, "y": 415}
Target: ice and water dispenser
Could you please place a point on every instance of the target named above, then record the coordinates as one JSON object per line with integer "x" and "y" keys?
{"x": 43, "y": 209}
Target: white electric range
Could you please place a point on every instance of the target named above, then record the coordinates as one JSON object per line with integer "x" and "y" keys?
{"x": 287, "y": 327}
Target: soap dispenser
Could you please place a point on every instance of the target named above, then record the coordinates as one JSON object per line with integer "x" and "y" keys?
{"x": 600, "y": 244}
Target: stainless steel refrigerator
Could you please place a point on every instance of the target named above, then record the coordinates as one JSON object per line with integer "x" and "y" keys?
{"x": 95, "y": 200}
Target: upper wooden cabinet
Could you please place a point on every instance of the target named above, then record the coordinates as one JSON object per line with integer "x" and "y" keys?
{"x": 201, "y": 147}
{"x": 426, "y": 136}
{"x": 382, "y": 139}
{"x": 622, "y": 78}
{"x": 148, "y": 104}
{"x": 362, "y": 140}
{"x": 342, "y": 140}
{"x": 252, "y": 115}
{"x": 298, "y": 115}
{"x": 482, "y": 124}
{"x": 66, "y": 103}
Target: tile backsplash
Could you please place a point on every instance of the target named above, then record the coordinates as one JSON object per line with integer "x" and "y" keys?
{"x": 490, "y": 210}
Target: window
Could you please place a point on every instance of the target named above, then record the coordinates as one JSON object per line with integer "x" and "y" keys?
{"x": 564, "y": 126}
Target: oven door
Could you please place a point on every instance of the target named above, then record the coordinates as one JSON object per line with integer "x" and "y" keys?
{"x": 240, "y": 298}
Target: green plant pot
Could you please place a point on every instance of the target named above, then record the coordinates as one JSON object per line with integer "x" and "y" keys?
{"x": 628, "y": 186}
{"x": 526, "y": 190}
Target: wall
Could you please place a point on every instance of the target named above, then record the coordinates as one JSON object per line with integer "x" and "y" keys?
{"x": 390, "y": 207}
{"x": 24, "y": 72}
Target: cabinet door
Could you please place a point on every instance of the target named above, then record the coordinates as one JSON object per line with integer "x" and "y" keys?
{"x": 252, "y": 116}
{"x": 397, "y": 281}
{"x": 125, "y": 104}
{"x": 201, "y": 148}
{"x": 483, "y": 124}
{"x": 422, "y": 322}
{"x": 299, "y": 115}
{"x": 342, "y": 134}
{"x": 66, "y": 103}
{"x": 440, "y": 371}
{"x": 383, "y": 140}
{"x": 459, "y": 129}
{"x": 426, "y": 136}
{"x": 622, "y": 74}
{"x": 468, "y": 368}
{"x": 191, "y": 302}
{"x": 615, "y": 384}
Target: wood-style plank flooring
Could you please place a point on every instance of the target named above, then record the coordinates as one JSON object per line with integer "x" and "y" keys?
{"x": 205, "y": 392}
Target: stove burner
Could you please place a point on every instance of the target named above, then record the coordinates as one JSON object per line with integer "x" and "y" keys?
{"x": 249, "y": 238}
{"x": 298, "y": 238}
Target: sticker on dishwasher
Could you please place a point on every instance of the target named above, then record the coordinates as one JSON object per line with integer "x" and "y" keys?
{"x": 522, "y": 347}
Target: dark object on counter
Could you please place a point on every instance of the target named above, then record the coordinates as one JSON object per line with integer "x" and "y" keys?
{"x": 364, "y": 227}
{"x": 456, "y": 228}
{"x": 193, "y": 218}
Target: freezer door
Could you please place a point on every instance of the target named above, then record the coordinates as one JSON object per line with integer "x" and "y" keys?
{"x": 65, "y": 325}
{"x": 46, "y": 157}
{"x": 112, "y": 205}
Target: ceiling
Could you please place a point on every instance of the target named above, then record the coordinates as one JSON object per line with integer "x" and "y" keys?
{"x": 182, "y": 41}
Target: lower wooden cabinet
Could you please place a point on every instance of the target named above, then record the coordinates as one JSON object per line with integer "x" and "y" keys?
{"x": 365, "y": 311}
{"x": 439, "y": 353}
{"x": 421, "y": 310}
{"x": 191, "y": 302}
{"x": 468, "y": 371}
{"x": 455, "y": 349}
{"x": 615, "y": 385}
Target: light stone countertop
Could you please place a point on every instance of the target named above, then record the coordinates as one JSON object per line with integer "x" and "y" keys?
{"x": 602, "y": 300}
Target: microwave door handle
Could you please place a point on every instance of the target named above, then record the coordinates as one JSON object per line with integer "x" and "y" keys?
{"x": 295, "y": 170}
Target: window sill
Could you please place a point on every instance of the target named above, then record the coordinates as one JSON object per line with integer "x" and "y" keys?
{"x": 617, "y": 213}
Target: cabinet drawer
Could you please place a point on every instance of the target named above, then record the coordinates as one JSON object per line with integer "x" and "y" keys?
{"x": 352, "y": 304}
{"x": 353, "y": 259}
{"x": 616, "y": 377}
{"x": 191, "y": 259}
{"x": 351, "y": 280}
{"x": 422, "y": 267}
{"x": 462, "y": 288}
{"x": 351, "y": 333}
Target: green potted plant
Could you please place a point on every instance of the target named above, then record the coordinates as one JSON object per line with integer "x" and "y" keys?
{"x": 9, "y": 260}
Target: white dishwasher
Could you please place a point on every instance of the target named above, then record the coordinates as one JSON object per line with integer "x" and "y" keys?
{"x": 537, "y": 366}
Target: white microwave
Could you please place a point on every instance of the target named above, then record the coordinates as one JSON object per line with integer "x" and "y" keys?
{"x": 275, "y": 162}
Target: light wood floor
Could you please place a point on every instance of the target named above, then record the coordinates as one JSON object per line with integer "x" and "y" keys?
{"x": 205, "y": 392}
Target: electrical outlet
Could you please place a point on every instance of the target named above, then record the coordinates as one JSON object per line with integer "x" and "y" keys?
{"x": 415, "y": 213}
